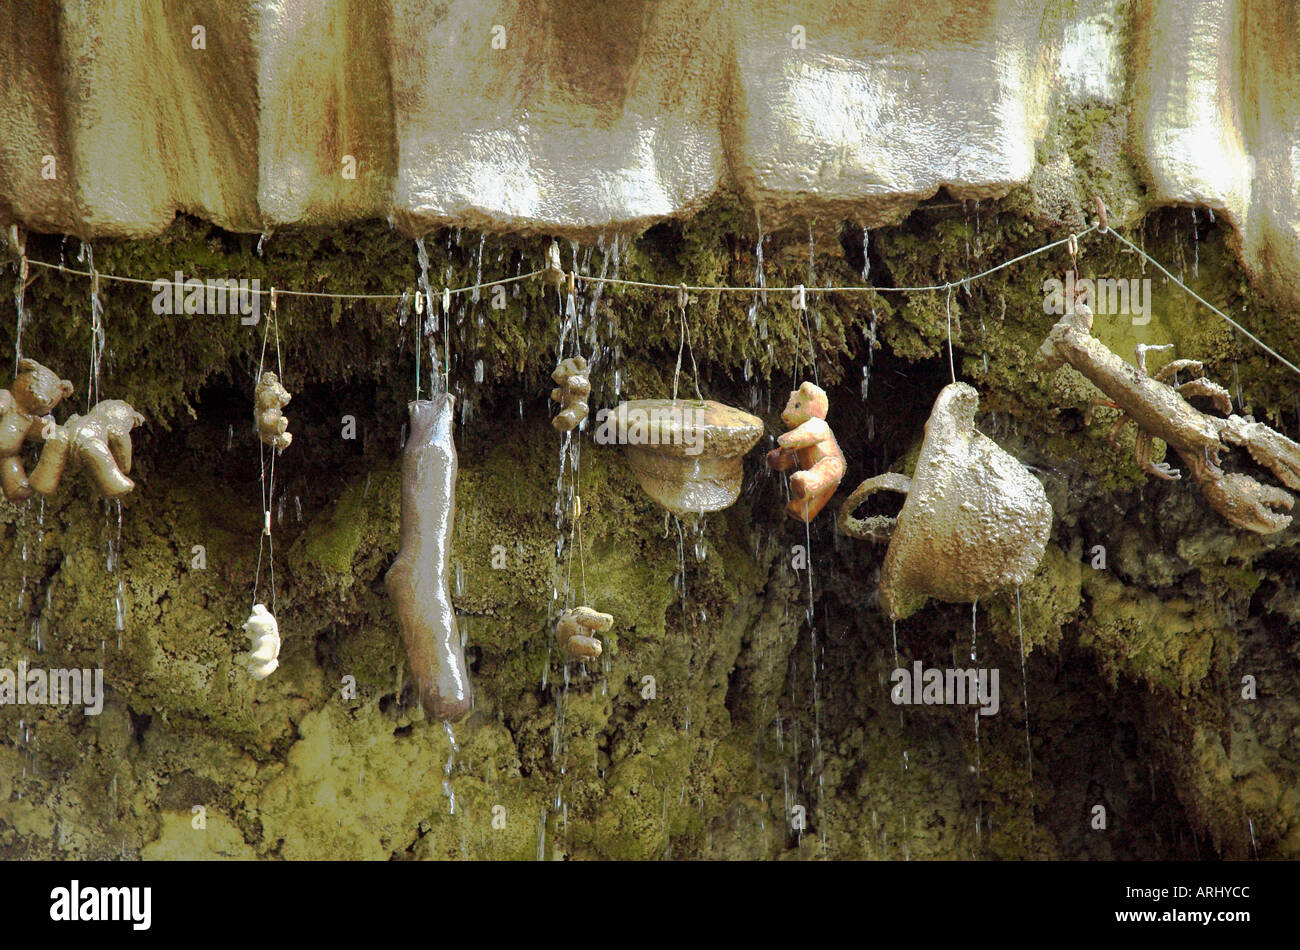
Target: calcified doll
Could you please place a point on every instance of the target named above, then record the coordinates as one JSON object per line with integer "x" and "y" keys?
{"x": 418, "y": 580}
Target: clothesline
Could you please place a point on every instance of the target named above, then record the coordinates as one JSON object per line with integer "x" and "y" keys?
{"x": 799, "y": 291}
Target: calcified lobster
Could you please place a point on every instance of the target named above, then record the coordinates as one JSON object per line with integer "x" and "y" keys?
{"x": 1160, "y": 410}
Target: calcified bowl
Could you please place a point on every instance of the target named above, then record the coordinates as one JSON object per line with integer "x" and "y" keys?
{"x": 687, "y": 453}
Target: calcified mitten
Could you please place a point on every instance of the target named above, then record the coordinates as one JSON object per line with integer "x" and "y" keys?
{"x": 269, "y": 398}
{"x": 264, "y": 655}
{"x": 575, "y": 629}
{"x": 25, "y": 417}
{"x": 572, "y": 389}
{"x": 418, "y": 580}
{"x": 810, "y": 445}
{"x": 99, "y": 441}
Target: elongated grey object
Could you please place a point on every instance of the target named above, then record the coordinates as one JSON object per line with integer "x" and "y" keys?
{"x": 418, "y": 580}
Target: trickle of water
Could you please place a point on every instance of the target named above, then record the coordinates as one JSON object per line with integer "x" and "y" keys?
{"x": 20, "y": 291}
{"x": 430, "y": 321}
{"x": 866, "y": 257}
{"x": 478, "y": 272}
{"x": 98, "y": 335}
{"x": 1024, "y": 684}
{"x": 978, "y": 767}
{"x": 446, "y": 770}
{"x": 478, "y": 371}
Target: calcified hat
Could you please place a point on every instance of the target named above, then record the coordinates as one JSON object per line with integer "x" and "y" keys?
{"x": 687, "y": 453}
{"x": 975, "y": 520}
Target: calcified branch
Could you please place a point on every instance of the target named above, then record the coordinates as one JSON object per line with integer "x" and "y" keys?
{"x": 1160, "y": 410}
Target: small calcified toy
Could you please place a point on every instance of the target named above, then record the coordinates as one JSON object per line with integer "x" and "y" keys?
{"x": 99, "y": 441}
{"x": 975, "y": 521}
{"x": 269, "y": 398}
{"x": 25, "y": 417}
{"x": 553, "y": 272}
{"x": 264, "y": 655}
{"x": 575, "y": 632}
{"x": 572, "y": 389}
{"x": 810, "y": 444}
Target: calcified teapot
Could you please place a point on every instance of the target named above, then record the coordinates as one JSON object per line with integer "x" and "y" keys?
{"x": 975, "y": 520}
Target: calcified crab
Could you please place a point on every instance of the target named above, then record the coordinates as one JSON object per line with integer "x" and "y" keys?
{"x": 1160, "y": 410}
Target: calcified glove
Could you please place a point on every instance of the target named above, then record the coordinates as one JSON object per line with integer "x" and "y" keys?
{"x": 575, "y": 629}
{"x": 264, "y": 656}
{"x": 99, "y": 441}
{"x": 571, "y": 392}
{"x": 268, "y": 399}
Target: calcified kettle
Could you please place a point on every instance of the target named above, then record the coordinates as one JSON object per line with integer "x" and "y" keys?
{"x": 975, "y": 520}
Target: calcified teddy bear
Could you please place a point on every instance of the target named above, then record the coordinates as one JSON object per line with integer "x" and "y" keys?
{"x": 269, "y": 398}
{"x": 575, "y": 632}
{"x": 810, "y": 444}
{"x": 25, "y": 416}
{"x": 99, "y": 441}
{"x": 572, "y": 389}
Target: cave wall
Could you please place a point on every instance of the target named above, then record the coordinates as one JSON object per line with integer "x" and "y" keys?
{"x": 1132, "y": 672}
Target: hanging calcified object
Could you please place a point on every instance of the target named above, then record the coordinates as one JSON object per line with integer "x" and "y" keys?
{"x": 99, "y": 441}
{"x": 264, "y": 654}
{"x": 809, "y": 445}
{"x": 575, "y": 632}
{"x": 269, "y": 398}
{"x": 687, "y": 453}
{"x": 418, "y": 582}
{"x": 25, "y": 416}
{"x": 572, "y": 389}
{"x": 554, "y": 270}
{"x": 1160, "y": 410}
{"x": 975, "y": 520}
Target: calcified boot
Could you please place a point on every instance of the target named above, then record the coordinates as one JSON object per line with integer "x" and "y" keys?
{"x": 418, "y": 580}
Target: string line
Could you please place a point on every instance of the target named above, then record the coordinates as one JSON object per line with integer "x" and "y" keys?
{"x": 946, "y": 286}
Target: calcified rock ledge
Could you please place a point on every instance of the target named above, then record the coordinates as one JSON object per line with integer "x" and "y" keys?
{"x": 574, "y": 117}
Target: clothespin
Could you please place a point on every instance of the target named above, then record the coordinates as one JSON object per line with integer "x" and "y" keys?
{"x": 275, "y": 299}
{"x": 800, "y": 300}
{"x": 266, "y": 522}
{"x": 573, "y": 283}
{"x": 446, "y": 300}
{"x": 419, "y": 302}
{"x": 683, "y": 298}
{"x": 1102, "y": 224}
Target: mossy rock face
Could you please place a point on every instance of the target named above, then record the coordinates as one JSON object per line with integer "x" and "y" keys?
{"x": 742, "y": 708}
